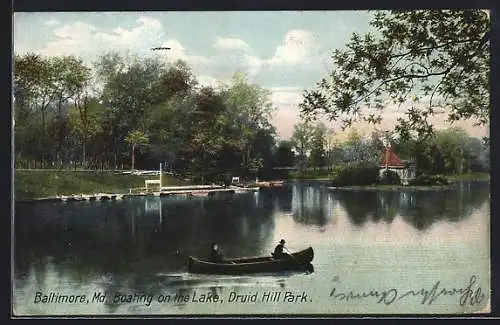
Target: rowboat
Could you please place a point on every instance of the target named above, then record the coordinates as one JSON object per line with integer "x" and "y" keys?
{"x": 298, "y": 261}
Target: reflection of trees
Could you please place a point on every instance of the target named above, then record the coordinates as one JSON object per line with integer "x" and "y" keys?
{"x": 453, "y": 204}
{"x": 282, "y": 196}
{"x": 88, "y": 238}
{"x": 420, "y": 208}
{"x": 310, "y": 205}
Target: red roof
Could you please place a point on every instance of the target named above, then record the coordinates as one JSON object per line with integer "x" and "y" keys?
{"x": 390, "y": 159}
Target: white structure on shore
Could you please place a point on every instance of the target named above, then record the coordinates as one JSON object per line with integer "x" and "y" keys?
{"x": 390, "y": 161}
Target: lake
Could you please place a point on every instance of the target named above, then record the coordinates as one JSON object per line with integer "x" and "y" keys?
{"x": 411, "y": 251}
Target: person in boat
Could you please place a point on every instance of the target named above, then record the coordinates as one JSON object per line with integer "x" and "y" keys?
{"x": 278, "y": 250}
{"x": 215, "y": 255}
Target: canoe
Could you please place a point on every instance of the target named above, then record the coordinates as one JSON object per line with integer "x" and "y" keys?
{"x": 299, "y": 261}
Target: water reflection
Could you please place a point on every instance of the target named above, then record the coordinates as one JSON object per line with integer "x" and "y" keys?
{"x": 420, "y": 208}
{"x": 127, "y": 245}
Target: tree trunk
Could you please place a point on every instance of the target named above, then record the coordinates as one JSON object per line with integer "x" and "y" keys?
{"x": 133, "y": 156}
{"x": 84, "y": 158}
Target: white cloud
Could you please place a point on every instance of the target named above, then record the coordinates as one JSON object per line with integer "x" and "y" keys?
{"x": 231, "y": 44}
{"x": 70, "y": 39}
{"x": 178, "y": 52}
{"x": 77, "y": 30}
{"x": 298, "y": 47}
{"x": 148, "y": 33}
{"x": 84, "y": 39}
{"x": 209, "y": 81}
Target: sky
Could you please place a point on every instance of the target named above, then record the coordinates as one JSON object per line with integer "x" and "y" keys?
{"x": 285, "y": 52}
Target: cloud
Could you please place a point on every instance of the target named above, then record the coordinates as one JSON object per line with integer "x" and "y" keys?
{"x": 298, "y": 47}
{"x": 209, "y": 81}
{"x": 298, "y": 50}
{"x": 178, "y": 52}
{"x": 231, "y": 44}
{"x": 70, "y": 39}
{"x": 148, "y": 33}
{"x": 86, "y": 40}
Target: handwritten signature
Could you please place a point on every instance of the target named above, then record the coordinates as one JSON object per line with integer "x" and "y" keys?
{"x": 470, "y": 294}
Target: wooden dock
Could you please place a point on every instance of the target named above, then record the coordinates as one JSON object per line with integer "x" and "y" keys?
{"x": 186, "y": 191}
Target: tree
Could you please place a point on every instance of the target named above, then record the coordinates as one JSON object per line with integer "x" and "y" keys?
{"x": 136, "y": 138}
{"x": 330, "y": 148}
{"x": 128, "y": 85}
{"x": 249, "y": 109}
{"x": 437, "y": 57}
{"x": 318, "y": 142}
{"x": 358, "y": 149}
{"x": 301, "y": 139}
{"x": 34, "y": 87}
{"x": 71, "y": 78}
{"x": 284, "y": 156}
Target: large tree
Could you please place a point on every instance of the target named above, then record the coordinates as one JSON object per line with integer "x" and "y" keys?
{"x": 250, "y": 109}
{"x": 421, "y": 58}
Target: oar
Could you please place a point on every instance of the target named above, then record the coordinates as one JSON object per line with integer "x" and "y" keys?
{"x": 293, "y": 257}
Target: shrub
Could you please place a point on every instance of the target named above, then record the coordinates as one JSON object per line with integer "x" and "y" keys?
{"x": 429, "y": 180}
{"x": 355, "y": 174}
{"x": 390, "y": 177}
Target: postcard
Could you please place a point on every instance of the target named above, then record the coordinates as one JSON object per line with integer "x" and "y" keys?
{"x": 259, "y": 163}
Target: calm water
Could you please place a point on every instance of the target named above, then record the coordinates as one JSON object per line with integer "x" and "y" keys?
{"x": 363, "y": 240}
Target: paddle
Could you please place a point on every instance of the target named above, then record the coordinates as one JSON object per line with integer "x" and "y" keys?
{"x": 293, "y": 257}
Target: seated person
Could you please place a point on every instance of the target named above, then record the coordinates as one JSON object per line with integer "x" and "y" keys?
{"x": 215, "y": 255}
{"x": 278, "y": 251}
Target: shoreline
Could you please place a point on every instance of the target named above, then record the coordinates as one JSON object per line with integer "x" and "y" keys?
{"x": 389, "y": 188}
{"x": 73, "y": 188}
{"x": 450, "y": 178}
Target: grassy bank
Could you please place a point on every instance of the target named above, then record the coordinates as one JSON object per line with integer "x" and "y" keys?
{"x": 468, "y": 177}
{"x": 324, "y": 176}
{"x": 40, "y": 183}
{"x": 382, "y": 187}
{"x": 309, "y": 175}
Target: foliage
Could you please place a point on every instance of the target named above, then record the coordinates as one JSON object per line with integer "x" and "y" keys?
{"x": 318, "y": 143}
{"x": 301, "y": 140}
{"x": 390, "y": 177}
{"x": 97, "y": 117}
{"x": 427, "y": 59}
{"x": 358, "y": 149}
{"x": 44, "y": 88}
{"x": 362, "y": 173}
{"x": 429, "y": 180}
{"x": 449, "y": 151}
{"x": 283, "y": 155}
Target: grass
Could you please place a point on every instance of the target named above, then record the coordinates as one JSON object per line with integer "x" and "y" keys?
{"x": 382, "y": 187}
{"x": 468, "y": 177}
{"x": 310, "y": 175}
{"x": 29, "y": 185}
{"x": 322, "y": 175}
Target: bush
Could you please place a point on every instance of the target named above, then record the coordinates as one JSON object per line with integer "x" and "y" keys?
{"x": 390, "y": 177}
{"x": 355, "y": 174}
{"x": 429, "y": 180}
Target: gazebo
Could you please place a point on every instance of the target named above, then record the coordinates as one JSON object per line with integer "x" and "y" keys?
{"x": 390, "y": 161}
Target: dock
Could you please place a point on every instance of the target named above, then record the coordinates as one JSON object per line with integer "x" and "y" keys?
{"x": 185, "y": 191}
